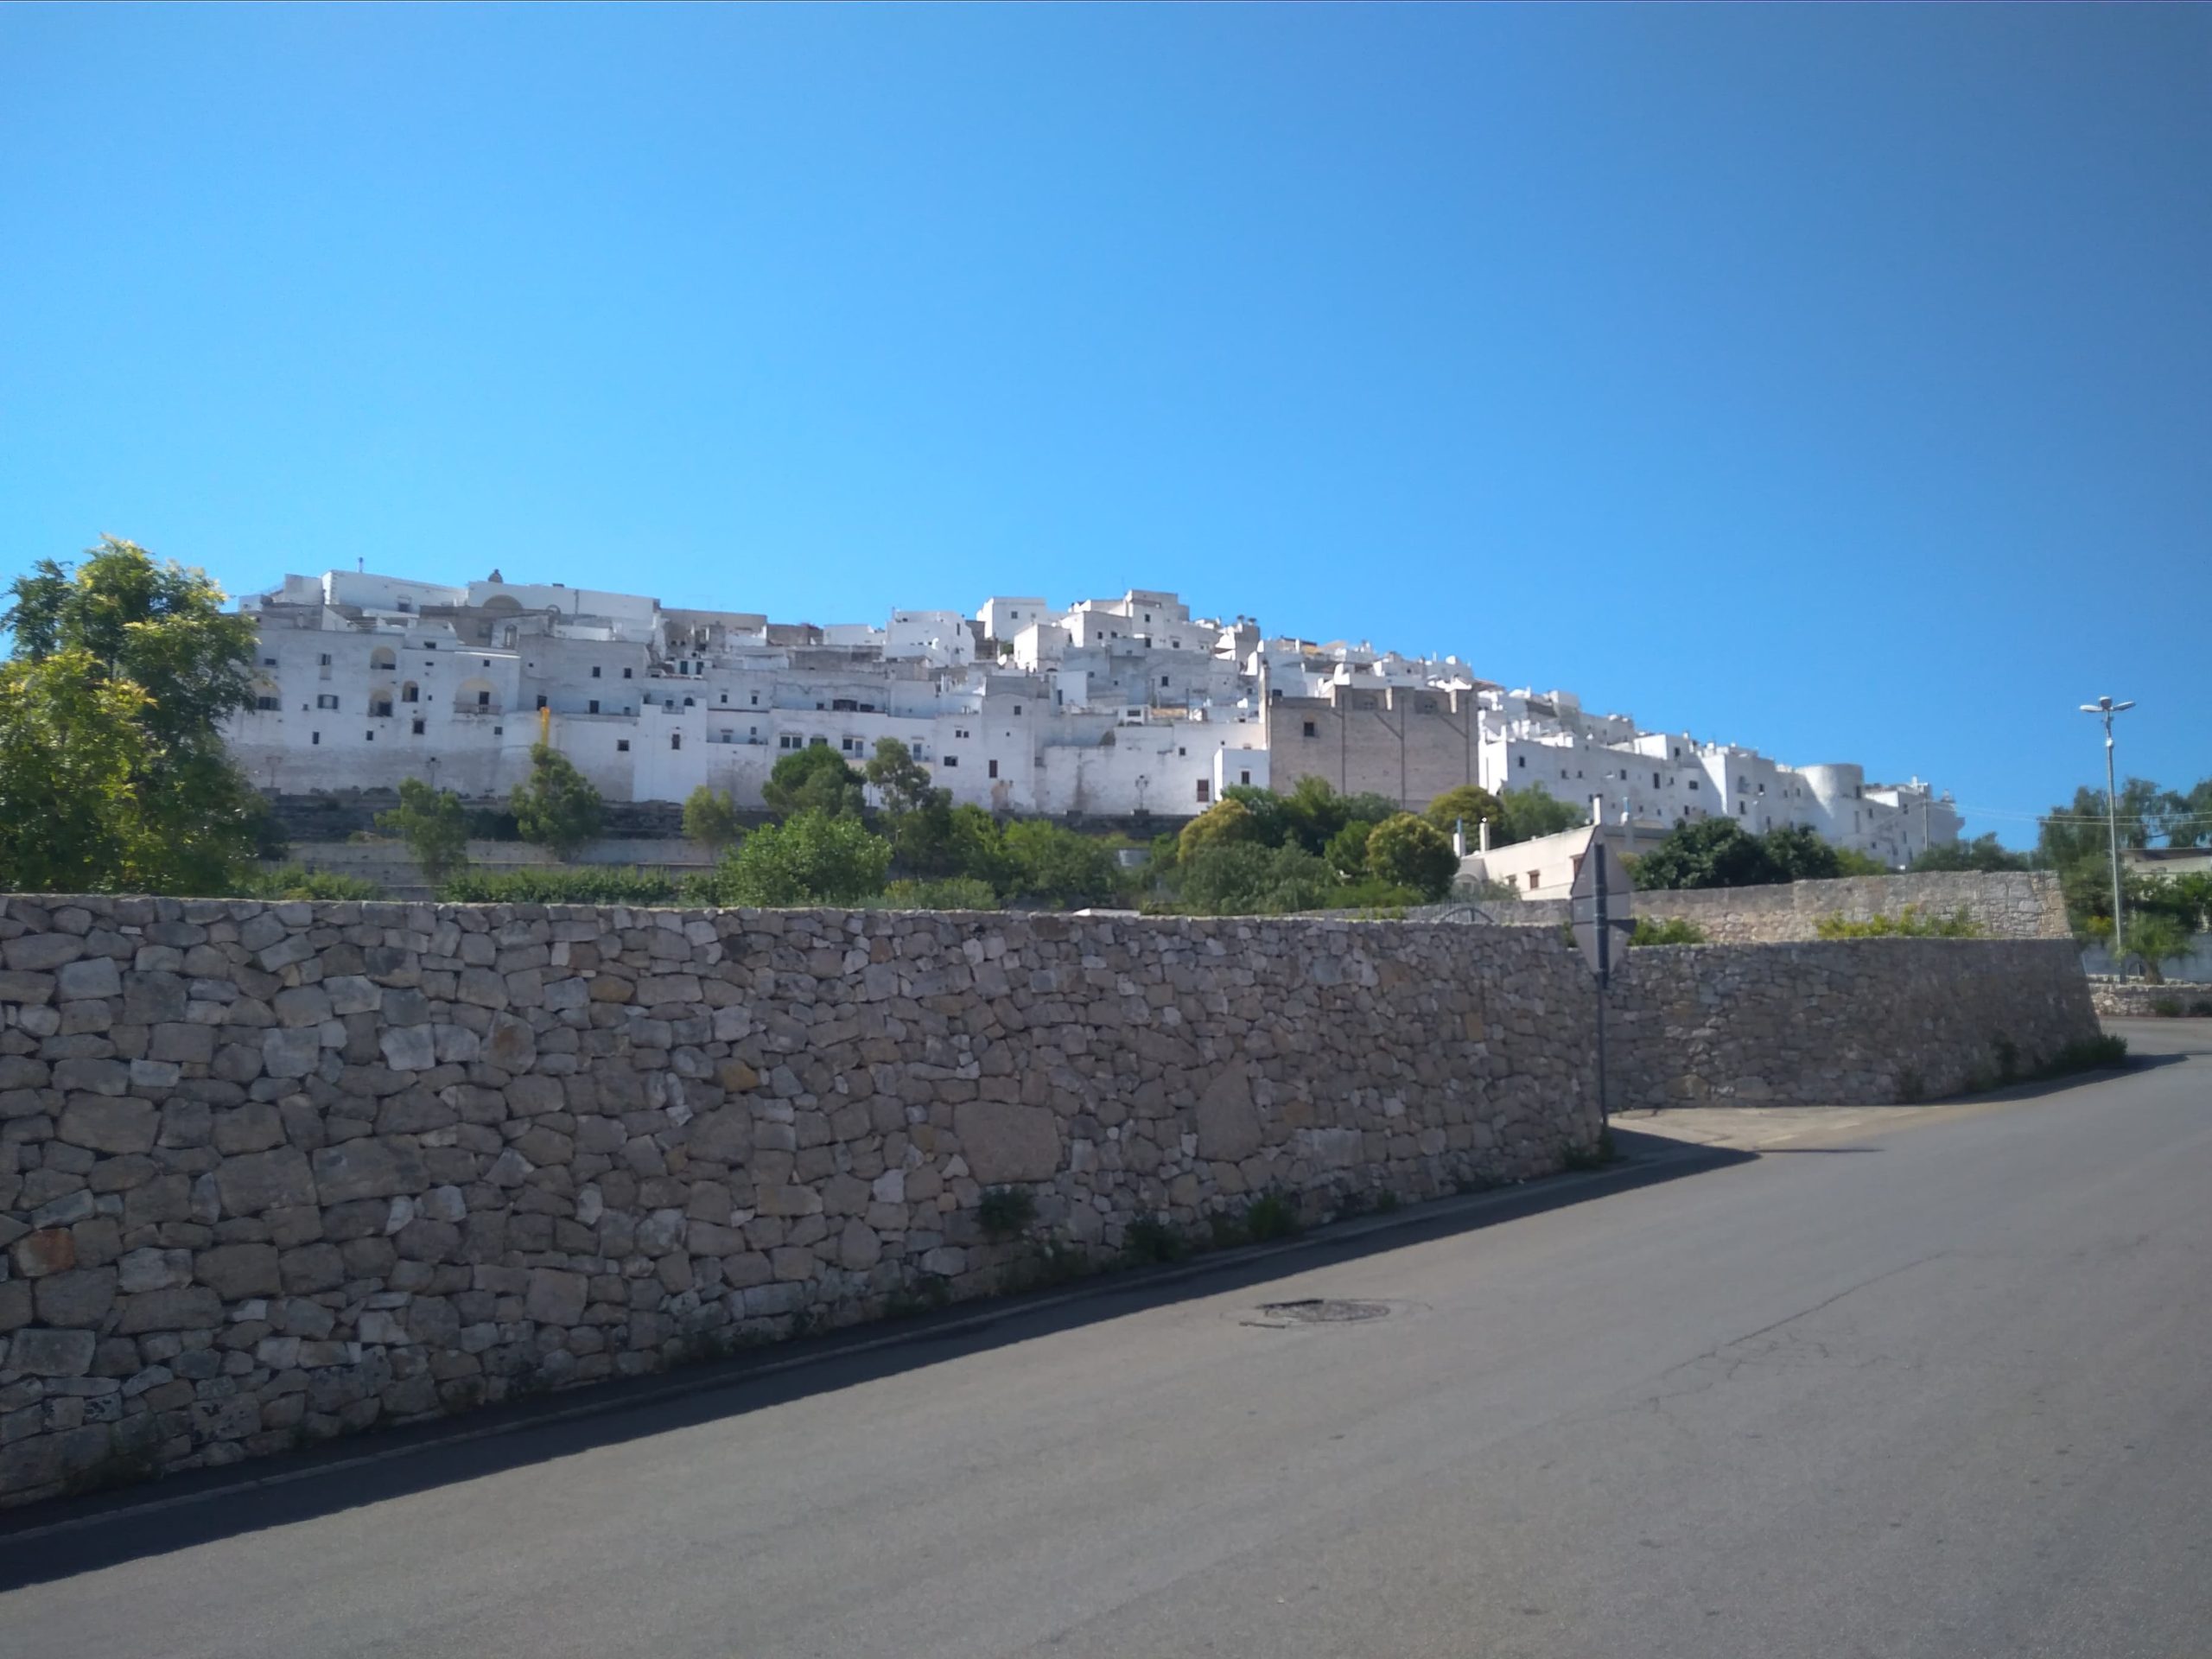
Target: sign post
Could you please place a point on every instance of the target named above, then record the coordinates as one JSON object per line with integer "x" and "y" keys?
{"x": 1599, "y": 909}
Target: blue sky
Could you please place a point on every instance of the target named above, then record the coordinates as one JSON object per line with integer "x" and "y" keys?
{"x": 1833, "y": 380}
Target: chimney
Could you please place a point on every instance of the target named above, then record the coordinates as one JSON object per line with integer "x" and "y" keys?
{"x": 1597, "y": 809}
{"x": 1459, "y": 837}
{"x": 1482, "y": 834}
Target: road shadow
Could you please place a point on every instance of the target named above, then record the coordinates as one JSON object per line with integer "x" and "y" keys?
{"x": 66, "y": 1536}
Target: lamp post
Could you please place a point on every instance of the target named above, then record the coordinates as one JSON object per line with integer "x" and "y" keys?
{"x": 2104, "y": 709}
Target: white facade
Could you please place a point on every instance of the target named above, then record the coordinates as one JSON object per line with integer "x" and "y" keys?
{"x": 1110, "y": 708}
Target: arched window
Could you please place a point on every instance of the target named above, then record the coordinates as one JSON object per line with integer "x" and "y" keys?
{"x": 380, "y": 701}
{"x": 410, "y": 692}
{"x": 381, "y": 660}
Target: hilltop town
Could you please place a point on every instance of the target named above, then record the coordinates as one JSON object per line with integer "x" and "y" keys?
{"x": 1108, "y": 707}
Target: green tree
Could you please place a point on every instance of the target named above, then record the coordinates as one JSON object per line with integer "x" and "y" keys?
{"x": 809, "y": 858}
{"x": 157, "y": 635}
{"x": 1469, "y": 804}
{"x": 557, "y": 808}
{"x": 1054, "y": 865}
{"x": 1412, "y": 853}
{"x": 72, "y": 748}
{"x": 902, "y": 780}
{"x": 1800, "y": 855}
{"x": 1849, "y": 860}
{"x": 2153, "y": 939}
{"x": 709, "y": 818}
{"x": 1707, "y": 852}
{"x": 1242, "y": 878}
{"x": 2185, "y": 820}
{"x": 1224, "y": 820}
{"x": 435, "y": 825}
{"x": 1983, "y": 853}
{"x": 814, "y": 780}
{"x": 1526, "y": 814}
{"x": 1347, "y": 852}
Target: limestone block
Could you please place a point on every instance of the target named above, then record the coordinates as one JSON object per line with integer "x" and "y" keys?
{"x": 252, "y": 1182}
{"x": 103, "y": 1124}
{"x": 1005, "y": 1141}
{"x": 369, "y": 1168}
{"x": 1228, "y": 1122}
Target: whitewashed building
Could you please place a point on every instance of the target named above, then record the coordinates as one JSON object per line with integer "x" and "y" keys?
{"x": 1110, "y": 708}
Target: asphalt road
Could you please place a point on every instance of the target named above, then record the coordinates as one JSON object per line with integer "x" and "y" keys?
{"x": 1940, "y": 1390}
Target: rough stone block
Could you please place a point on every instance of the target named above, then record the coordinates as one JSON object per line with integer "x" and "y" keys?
{"x": 1004, "y": 1142}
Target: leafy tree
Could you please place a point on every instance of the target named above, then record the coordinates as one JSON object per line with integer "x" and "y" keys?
{"x": 1412, "y": 853}
{"x": 1469, "y": 804}
{"x": 1347, "y": 852}
{"x": 1054, "y": 865}
{"x": 1800, "y": 855}
{"x": 1310, "y": 815}
{"x": 2073, "y": 834}
{"x": 2186, "y": 820}
{"x": 903, "y": 781}
{"x": 1707, "y": 852}
{"x": 435, "y": 825}
{"x": 1983, "y": 853}
{"x": 1849, "y": 860}
{"x": 150, "y": 642}
{"x": 709, "y": 818}
{"x": 1224, "y": 820}
{"x": 72, "y": 748}
{"x": 952, "y": 892}
{"x": 2153, "y": 939}
{"x": 809, "y": 858}
{"x": 1242, "y": 878}
{"x": 557, "y": 809}
{"x": 1526, "y": 814}
{"x": 814, "y": 780}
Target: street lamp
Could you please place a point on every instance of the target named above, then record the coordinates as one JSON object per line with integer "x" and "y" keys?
{"x": 2104, "y": 709}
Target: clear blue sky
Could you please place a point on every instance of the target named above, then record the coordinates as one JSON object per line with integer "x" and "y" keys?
{"x": 1833, "y": 380}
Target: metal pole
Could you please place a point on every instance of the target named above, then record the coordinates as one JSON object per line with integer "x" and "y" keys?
{"x": 2112, "y": 829}
{"x": 1605, "y": 969}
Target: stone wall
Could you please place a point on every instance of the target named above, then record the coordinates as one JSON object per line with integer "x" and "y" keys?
{"x": 269, "y": 1173}
{"x": 1845, "y": 1021}
{"x": 2004, "y": 905}
{"x": 2132, "y": 999}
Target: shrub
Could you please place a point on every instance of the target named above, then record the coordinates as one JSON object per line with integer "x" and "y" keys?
{"x": 949, "y": 892}
{"x": 293, "y": 882}
{"x": 1222, "y": 822}
{"x": 1150, "y": 1239}
{"x": 1674, "y": 930}
{"x": 2166, "y": 1006}
{"x": 1271, "y": 1214}
{"x": 808, "y": 859}
{"x": 2088, "y": 1054}
{"x": 560, "y": 887}
{"x": 709, "y": 817}
{"x": 1910, "y": 923}
{"x": 813, "y": 780}
{"x": 1007, "y": 1210}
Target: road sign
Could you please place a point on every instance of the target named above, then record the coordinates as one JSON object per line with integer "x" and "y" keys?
{"x": 1600, "y": 907}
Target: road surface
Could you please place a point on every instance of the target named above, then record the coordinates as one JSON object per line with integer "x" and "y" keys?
{"x": 1940, "y": 1388}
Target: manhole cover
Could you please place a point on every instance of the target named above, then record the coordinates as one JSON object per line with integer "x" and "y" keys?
{"x": 1315, "y": 1310}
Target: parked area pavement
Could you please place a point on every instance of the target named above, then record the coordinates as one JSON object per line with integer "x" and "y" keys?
{"x": 1946, "y": 1397}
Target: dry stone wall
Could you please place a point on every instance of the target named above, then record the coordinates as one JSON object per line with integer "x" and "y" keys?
{"x": 1845, "y": 1021}
{"x": 270, "y": 1172}
{"x": 2003, "y": 905}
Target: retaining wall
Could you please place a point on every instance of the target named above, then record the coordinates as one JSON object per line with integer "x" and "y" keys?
{"x": 276, "y": 1171}
{"x": 2003, "y": 904}
{"x": 2132, "y": 999}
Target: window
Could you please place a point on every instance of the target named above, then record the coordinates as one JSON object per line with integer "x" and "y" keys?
{"x": 326, "y": 700}
{"x": 268, "y": 704}
{"x": 595, "y": 705}
{"x": 849, "y": 745}
{"x": 687, "y": 703}
{"x": 372, "y": 737}
{"x": 404, "y": 605}
{"x": 595, "y": 671}
{"x": 818, "y": 743}
{"x": 1163, "y": 681}
{"x": 498, "y": 731}
{"x": 1309, "y": 730}
{"x": 621, "y": 745}
{"x": 676, "y": 740}
{"x": 1205, "y": 792}
{"x": 315, "y": 737}
{"x": 1244, "y": 777}
{"x": 994, "y": 769}
{"x": 1017, "y": 709}
{"x": 626, "y": 673}
{"x": 753, "y": 700}
{"x": 1533, "y": 874}
{"x": 410, "y": 692}
{"x": 486, "y": 661}
{"x": 959, "y": 731}
{"x": 785, "y": 740}
{"x": 951, "y": 759}
{"x": 1654, "y": 780}
{"x": 1181, "y": 753}
{"x": 684, "y": 667}
{"x": 541, "y": 699}
{"x": 483, "y": 699}
{"x": 268, "y": 662}
{"x": 1692, "y": 783}
{"x": 725, "y": 696}
{"x": 324, "y": 659}
{"x": 1524, "y": 762}
{"x": 429, "y": 644}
